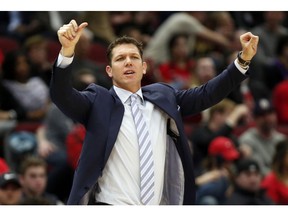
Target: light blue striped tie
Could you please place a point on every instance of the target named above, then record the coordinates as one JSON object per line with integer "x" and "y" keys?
{"x": 146, "y": 154}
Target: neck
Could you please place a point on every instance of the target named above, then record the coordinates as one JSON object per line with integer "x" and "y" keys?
{"x": 132, "y": 89}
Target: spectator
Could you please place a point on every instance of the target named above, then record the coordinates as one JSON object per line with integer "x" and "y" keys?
{"x": 219, "y": 22}
{"x": 36, "y": 51}
{"x": 277, "y": 70}
{"x": 270, "y": 29}
{"x": 33, "y": 178}
{"x": 260, "y": 140}
{"x": 185, "y": 22}
{"x": 18, "y": 145}
{"x": 30, "y": 92}
{"x": 205, "y": 70}
{"x": 275, "y": 183}
{"x": 223, "y": 118}
{"x": 178, "y": 69}
{"x": 10, "y": 189}
{"x": 280, "y": 101}
{"x": 214, "y": 183}
{"x": 247, "y": 185}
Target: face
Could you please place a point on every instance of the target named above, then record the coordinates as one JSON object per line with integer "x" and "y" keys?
{"x": 34, "y": 180}
{"x": 267, "y": 122}
{"x": 249, "y": 181}
{"x": 10, "y": 194}
{"x": 127, "y": 67}
{"x": 180, "y": 48}
{"x": 38, "y": 53}
{"x": 22, "y": 67}
{"x": 205, "y": 69}
{"x": 220, "y": 118}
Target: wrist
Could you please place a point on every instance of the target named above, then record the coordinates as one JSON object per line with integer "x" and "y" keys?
{"x": 243, "y": 63}
{"x": 67, "y": 52}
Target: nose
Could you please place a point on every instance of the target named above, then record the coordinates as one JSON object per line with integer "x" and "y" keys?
{"x": 128, "y": 61}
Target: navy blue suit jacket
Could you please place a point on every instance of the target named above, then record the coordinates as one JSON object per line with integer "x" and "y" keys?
{"x": 101, "y": 111}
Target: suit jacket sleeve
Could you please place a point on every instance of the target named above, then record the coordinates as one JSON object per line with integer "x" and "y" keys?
{"x": 195, "y": 100}
{"x": 73, "y": 103}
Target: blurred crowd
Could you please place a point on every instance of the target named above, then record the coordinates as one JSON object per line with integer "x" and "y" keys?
{"x": 239, "y": 146}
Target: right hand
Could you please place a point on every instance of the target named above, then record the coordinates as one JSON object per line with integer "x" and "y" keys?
{"x": 69, "y": 35}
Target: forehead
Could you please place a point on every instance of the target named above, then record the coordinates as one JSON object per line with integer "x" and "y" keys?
{"x": 125, "y": 49}
{"x": 35, "y": 169}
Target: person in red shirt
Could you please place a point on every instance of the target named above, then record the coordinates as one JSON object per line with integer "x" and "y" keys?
{"x": 280, "y": 101}
{"x": 178, "y": 70}
{"x": 276, "y": 182}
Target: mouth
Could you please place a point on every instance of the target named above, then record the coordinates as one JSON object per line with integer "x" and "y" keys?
{"x": 129, "y": 72}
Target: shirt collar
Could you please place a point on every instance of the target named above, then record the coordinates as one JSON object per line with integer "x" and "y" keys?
{"x": 124, "y": 95}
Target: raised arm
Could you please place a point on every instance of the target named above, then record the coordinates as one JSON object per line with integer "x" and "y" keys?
{"x": 197, "y": 99}
{"x": 73, "y": 103}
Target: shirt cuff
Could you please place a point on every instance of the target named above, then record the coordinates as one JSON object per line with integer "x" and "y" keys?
{"x": 242, "y": 70}
{"x": 63, "y": 61}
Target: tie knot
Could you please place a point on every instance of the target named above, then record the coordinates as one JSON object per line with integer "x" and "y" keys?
{"x": 133, "y": 98}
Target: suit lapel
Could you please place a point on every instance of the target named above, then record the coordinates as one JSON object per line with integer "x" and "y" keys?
{"x": 115, "y": 123}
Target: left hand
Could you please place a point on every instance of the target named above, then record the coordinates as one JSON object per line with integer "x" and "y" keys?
{"x": 249, "y": 43}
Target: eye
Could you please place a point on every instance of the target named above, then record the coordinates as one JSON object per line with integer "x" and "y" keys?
{"x": 119, "y": 59}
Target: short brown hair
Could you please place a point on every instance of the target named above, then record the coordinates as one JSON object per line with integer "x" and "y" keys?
{"x": 123, "y": 40}
{"x": 221, "y": 107}
{"x": 32, "y": 161}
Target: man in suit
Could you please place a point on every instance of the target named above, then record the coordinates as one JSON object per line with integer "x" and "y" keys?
{"x": 109, "y": 162}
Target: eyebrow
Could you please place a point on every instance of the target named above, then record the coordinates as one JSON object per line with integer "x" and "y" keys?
{"x": 125, "y": 54}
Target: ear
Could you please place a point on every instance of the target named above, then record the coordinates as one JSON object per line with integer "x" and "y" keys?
{"x": 144, "y": 67}
{"x": 109, "y": 71}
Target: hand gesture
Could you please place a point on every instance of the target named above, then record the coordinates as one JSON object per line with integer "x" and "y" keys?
{"x": 249, "y": 43}
{"x": 69, "y": 35}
